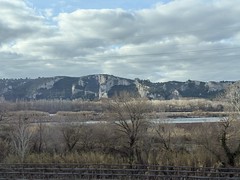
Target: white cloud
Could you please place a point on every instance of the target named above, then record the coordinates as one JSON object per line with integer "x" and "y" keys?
{"x": 48, "y": 13}
{"x": 179, "y": 40}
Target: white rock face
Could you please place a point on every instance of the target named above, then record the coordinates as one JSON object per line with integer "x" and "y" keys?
{"x": 213, "y": 86}
{"x": 81, "y": 82}
{"x": 197, "y": 83}
{"x": 142, "y": 90}
{"x": 107, "y": 82}
{"x": 175, "y": 94}
{"x": 164, "y": 87}
{"x": 75, "y": 90}
{"x": 49, "y": 84}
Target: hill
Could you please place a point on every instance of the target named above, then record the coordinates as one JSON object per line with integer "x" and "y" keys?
{"x": 104, "y": 86}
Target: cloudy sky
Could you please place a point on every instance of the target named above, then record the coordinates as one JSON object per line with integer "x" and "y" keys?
{"x": 147, "y": 39}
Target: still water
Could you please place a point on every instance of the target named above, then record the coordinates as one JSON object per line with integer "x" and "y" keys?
{"x": 188, "y": 120}
{"x": 173, "y": 120}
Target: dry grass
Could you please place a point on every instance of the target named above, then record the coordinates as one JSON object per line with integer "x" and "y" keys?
{"x": 187, "y": 105}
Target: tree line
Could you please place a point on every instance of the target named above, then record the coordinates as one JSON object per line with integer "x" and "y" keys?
{"x": 54, "y": 106}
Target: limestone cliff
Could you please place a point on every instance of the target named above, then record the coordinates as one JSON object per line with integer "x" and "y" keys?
{"x": 99, "y": 86}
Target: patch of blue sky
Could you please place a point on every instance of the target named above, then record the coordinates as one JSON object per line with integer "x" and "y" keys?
{"x": 71, "y": 5}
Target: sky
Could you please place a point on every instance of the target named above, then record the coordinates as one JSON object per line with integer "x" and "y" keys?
{"x": 148, "y": 39}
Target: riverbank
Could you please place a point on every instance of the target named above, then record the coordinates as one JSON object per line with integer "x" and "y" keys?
{"x": 91, "y": 116}
{"x": 194, "y": 114}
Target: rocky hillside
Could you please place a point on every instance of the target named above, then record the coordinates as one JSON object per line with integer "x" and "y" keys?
{"x": 103, "y": 86}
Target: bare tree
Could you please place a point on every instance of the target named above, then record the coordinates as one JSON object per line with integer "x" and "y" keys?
{"x": 229, "y": 126}
{"x": 130, "y": 120}
{"x": 166, "y": 134}
{"x": 223, "y": 140}
{"x": 71, "y": 135}
{"x": 229, "y": 138}
{"x": 5, "y": 146}
{"x": 40, "y": 136}
{"x": 171, "y": 141}
{"x": 232, "y": 98}
{"x": 20, "y": 137}
{"x": 4, "y": 107}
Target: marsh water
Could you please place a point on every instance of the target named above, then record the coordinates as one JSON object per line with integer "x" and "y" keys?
{"x": 175, "y": 120}
{"x": 188, "y": 120}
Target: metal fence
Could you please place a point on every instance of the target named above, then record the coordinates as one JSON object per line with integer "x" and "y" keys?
{"x": 104, "y": 171}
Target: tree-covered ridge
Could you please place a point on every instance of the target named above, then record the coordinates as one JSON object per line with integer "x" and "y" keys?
{"x": 99, "y": 86}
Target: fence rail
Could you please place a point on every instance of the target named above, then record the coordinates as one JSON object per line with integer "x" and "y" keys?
{"x": 105, "y": 171}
